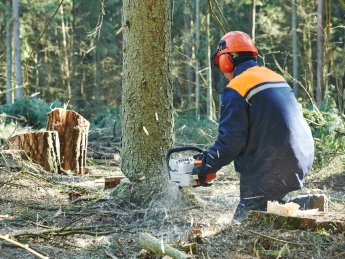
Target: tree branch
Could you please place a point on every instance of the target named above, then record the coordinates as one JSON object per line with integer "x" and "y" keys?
{"x": 210, "y": 8}
{"x": 26, "y": 247}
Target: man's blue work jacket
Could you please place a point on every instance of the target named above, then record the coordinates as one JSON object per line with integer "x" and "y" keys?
{"x": 261, "y": 129}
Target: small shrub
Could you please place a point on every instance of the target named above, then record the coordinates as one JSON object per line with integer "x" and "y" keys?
{"x": 328, "y": 129}
{"x": 33, "y": 111}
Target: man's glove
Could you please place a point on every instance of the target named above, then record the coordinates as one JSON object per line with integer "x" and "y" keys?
{"x": 201, "y": 177}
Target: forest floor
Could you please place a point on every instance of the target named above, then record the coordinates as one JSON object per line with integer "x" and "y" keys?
{"x": 63, "y": 216}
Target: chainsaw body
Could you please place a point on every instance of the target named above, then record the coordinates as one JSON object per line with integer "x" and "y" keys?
{"x": 180, "y": 168}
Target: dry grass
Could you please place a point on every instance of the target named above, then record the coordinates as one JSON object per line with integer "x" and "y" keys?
{"x": 37, "y": 209}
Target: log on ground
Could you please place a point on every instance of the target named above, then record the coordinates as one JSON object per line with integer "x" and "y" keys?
{"x": 103, "y": 155}
{"x": 42, "y": 147}
{"x": 73, "y": 131}
{"x": 150, "y": 242}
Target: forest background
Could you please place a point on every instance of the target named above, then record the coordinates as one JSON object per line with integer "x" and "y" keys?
{"x": 71, "y": 52}
{"x": 79, "y": 55}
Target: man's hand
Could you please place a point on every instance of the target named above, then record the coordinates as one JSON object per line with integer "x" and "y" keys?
{"x": 201, "y": 177}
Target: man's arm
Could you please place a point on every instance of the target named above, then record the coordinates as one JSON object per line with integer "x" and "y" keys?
{"x": 232, "y": 133}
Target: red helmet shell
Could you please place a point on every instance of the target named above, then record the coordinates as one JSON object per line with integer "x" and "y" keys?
{"x": 234, "y": 41}
{"x": 238, "y": 41}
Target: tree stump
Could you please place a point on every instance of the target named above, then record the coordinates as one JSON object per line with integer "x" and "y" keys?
{"x": 73, "y": 131}
{"x": 334, "y": 223}
{"x": 42, "y": 147}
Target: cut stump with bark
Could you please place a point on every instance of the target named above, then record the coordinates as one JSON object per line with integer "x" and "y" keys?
{"x": 336, "y": 224}
{"x": 42, "y": 147}
{"x": 73, "y": 131}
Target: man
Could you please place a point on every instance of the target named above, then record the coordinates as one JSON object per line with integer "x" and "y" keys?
{"x": 261, "y": 128}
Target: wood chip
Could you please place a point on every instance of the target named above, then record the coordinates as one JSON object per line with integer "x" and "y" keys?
{"x": 290, "y": 209}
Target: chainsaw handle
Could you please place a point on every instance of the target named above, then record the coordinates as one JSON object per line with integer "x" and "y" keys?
{"x": 181, "y": 149}
{"x": 209, "y": 178}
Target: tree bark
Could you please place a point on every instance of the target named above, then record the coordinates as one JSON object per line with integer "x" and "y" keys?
{"x": 9, "y": 91}
{"x": 42, "y": 147}
{"x": 17, "y": 51}
{"x": 147, "y": 96}
{"x": 73, "y": 131}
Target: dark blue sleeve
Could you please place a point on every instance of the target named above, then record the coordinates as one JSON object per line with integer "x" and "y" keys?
{"x": 232, "y": 132}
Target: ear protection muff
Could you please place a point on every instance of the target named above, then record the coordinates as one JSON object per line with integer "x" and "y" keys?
{"x": 225, "y": 63}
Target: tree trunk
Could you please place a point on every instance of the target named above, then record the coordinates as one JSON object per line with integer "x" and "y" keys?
{"x": 295, "y": 73}
{"x": 73, "y": 131}
{"x": 17, "y": 51}
{"x": 253, "y": 19}
{"x": 64, "y": 42}
{"x": 98, "y": 71}
{"x": 197, "y": 64}
{"x": 188, "y": 22}
{"x": 147, "y": 96}
{"x": 9, "y": 91}
{"x": 320, "y": 49}
{"x": 37, "y": 71}
{"x": 340, "y": 84}
{"x": 42, "y": 147}
{"x": 307, "y": 49}
{"x": 327, "y": 48}
{"x": 76, "y": 73}
{"x": 210, "y": 103}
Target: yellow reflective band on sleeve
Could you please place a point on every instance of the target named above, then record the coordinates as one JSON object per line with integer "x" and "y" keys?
{"x": 252, "y": 77}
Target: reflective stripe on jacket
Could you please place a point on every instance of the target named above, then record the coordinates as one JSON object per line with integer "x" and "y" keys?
{"x": 263, "y": 131}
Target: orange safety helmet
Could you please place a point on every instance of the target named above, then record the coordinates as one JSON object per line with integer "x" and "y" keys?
{"x": 234, "y": 41}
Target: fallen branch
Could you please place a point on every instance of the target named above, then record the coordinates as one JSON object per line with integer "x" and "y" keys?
{"x": 69, "y": 231}
{"x": 13, "y": 152}
{"x": 120, "y": 246}
{"x": 340, "y": 255}
{"x": 150, "y": 242}
{"x": 26, "y": 247}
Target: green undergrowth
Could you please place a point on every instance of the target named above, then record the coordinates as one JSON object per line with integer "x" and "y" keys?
{"x": 328, "y": 129}
{"x": 190, "y": 131}
{"x": 29, "y": 111}
{"x": 109, "y": 120}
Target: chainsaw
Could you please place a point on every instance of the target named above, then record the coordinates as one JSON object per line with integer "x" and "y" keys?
{"x": 180, "y": 169}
